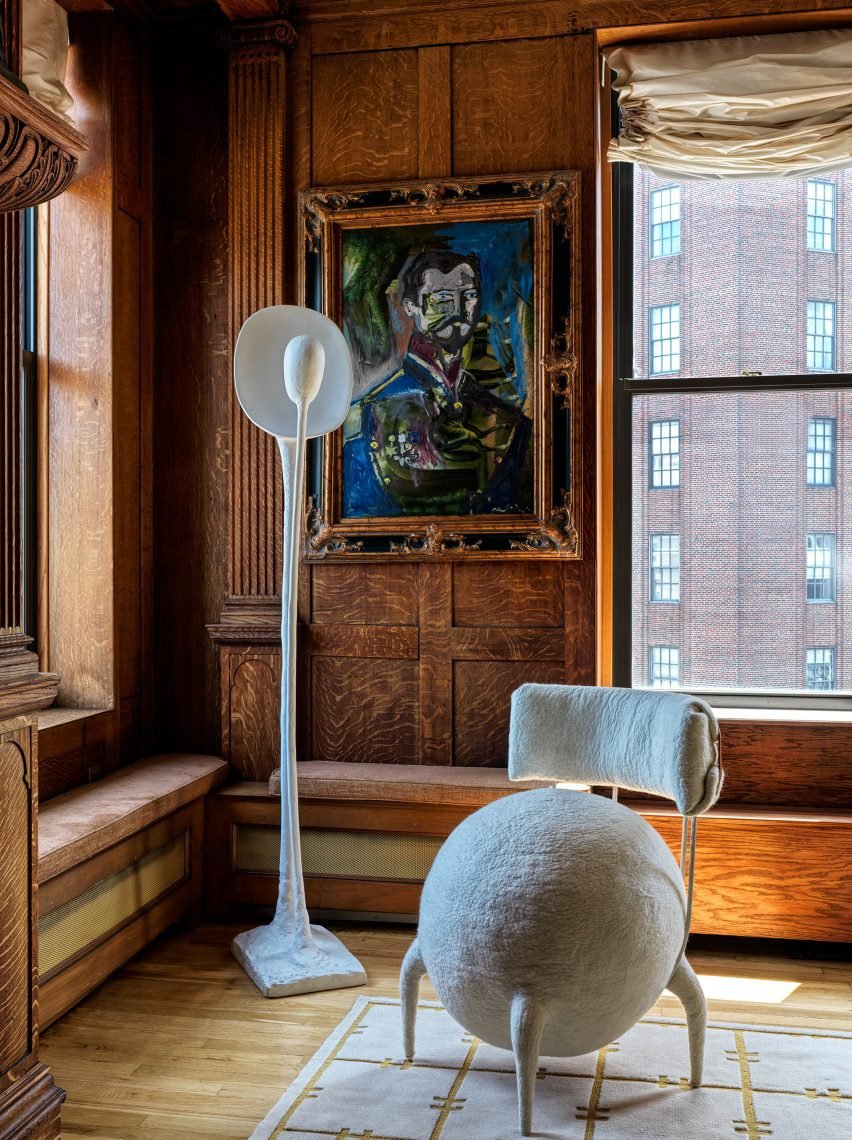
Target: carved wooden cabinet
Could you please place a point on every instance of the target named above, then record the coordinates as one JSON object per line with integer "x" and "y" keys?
{"x": 29, "y": 1100}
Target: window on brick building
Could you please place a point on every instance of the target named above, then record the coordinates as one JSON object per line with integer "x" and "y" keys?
{"x": 820, "y": 568}
{"x": 665, "y": 339}
{"x": 821, "y": 213}
{"x": 820, "y": 336}
{"x": 715, "y": 398}
{"x": 820, "y": 460}
{"x": 664, "y": 440}
{"x": 819, "y": 668}
{"x": 664, "y": 666}
{"x": 665, "y": 221}
{"x": 664, "y": 556}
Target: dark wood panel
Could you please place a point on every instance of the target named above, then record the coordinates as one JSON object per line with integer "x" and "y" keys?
{"x": 192, "y": 379}
{"x": 436, "y": 677}
{"x": 500, "y": 593}
{"x": 391, "y": 641}
{"x": 364, "y": 595}
{"x": 508, "y": 644}
{"x": 509, "y": 106}
{"x": 435, "y": 125}
{"x": 795, "y": 765}
{"x": 364, "y": 710}
{"x": 15, "y": 912}
{"x": 766, "y": 879}
{"x": 481, "y": 693}
{"x": 365, "y": 117}
{"x": 254, "y": 711}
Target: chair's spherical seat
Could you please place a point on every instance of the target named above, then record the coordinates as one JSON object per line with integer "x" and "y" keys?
{"x": 566, "y": 897}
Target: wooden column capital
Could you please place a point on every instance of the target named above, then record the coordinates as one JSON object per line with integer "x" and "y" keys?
{"x": 252, "y": 40}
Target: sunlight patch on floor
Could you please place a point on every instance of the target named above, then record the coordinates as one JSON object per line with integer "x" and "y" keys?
{"x": 762, "y": 991}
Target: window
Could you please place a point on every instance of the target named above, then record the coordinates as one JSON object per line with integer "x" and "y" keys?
{"x": 665, "y": 453}
{"x": 820, "y": 460}
{"x": 664, "y": 667}
{"x": 714, "y": 409}
{"x": 820, "y": 336}
{"x": 819, "y": 568}
{"x": 665, "y": 221}
{"x": 821, "y": 213}
{"x": 665, "y": 567}
{"x": 665, "y": 339}
{"x": 819, "y": 669}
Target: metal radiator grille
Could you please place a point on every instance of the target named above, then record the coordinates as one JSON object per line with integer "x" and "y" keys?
{"x": 108, "y": 904}
{"x": 344, "y": 854}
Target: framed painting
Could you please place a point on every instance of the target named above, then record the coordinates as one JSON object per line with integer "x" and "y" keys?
{"x": 459, "y": 302}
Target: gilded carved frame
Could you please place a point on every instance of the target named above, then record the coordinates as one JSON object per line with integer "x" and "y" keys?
{"x": 552, "y": 529}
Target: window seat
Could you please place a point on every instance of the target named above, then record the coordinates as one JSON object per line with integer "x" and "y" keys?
{"x": 371, "y": 831}
{"x": 119, "y": 860}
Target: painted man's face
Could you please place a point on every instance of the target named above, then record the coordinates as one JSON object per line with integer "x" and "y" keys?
{"x": 447, "y": 306}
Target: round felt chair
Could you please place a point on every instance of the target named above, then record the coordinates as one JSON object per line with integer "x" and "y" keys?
{"x": 552, "y": 920}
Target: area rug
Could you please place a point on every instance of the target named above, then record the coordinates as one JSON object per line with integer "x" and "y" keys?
{"x": 760, "y": 1081}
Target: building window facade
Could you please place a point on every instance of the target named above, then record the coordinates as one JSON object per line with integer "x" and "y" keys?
{"x": 820, "y": 568}
{"x": 665, "y": 567}
{"x": 819, "y": 668}
{"x": 820, "y": 336}
{"x": 664, "y": 442}
{"x": 821, "y": 216}
{"x": 665, "y": 339}
{"x": 665, "y": 221}
{"x": 664, "y": 666}
{"x": 821, "y": 451}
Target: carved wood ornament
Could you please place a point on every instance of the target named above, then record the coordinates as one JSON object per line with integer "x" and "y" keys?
{"x": 39, "y": 153}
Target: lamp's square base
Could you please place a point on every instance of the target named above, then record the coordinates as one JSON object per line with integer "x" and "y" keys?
{"x": 281, "y": 966}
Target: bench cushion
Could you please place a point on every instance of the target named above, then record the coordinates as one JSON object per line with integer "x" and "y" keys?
{"x": 79, "y": 824}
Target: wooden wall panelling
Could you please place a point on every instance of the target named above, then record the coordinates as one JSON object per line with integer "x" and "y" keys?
{"x": 787, "y": 765}
{"x": 436, "y": 666}
{"x": 365, "y": 117}
{"x": 192, "y": 381}
{"x": 365, "y": 709}
{"x": 257, "y": 257}
{"x": 481, "y": 695}
{"x": 29, "y": 1100}
{"x": 358, "y": 26}
{"x": 434, "y": 126}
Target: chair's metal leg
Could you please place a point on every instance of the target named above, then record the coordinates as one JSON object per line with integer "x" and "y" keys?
{"x": 685, "y": 985}
{"x": 528, "y": 1020}
{"x": 412, "y": 971}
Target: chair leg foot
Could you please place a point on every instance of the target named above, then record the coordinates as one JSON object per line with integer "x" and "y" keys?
{"x": 685, "y": 985}
{"x": 528, "y": 1020}
{"x": 412, "y": 971}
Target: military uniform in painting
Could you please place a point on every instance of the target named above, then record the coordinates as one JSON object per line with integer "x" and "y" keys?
{"x": 446, "y": 434}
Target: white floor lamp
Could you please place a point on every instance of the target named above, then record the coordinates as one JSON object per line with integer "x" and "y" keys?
{"x": 293, "y": 378}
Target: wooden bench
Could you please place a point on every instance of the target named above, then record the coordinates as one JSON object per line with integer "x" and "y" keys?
{"x": 371, "y": 831}
{"x": 118, "y": 861}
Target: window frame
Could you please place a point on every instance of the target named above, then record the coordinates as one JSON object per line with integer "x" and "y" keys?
{"x": 809, "y": 649}
{"x": 832, "y": 305}
{"x": 670, "y": 340}
{"x": 671, "y": 568}
{"x": 652, "y": 455}
{"x": 662, "y": 190}
{"x": 832, "y": 217}
{"x": 29, "y": 432}
{"x": 830, "y": 452}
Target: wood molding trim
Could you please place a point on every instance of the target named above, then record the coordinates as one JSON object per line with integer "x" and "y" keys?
{"x": 258, "y": 252}
{"x": 39, "y": 153}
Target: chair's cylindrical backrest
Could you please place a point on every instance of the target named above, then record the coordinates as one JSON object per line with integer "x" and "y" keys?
{"x": 665, "y": 744}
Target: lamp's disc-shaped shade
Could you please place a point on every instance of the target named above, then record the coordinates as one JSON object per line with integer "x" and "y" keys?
{"x": 259, "y": 371}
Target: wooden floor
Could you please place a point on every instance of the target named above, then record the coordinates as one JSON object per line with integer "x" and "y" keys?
{"x": 180, "y": 1043}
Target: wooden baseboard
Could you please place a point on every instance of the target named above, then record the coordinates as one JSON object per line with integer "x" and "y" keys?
{"x": 30, "y": 1108}
{"x": 759, "y": 873}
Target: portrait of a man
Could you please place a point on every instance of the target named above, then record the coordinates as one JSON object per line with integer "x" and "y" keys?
{"x": 440, "y": 323}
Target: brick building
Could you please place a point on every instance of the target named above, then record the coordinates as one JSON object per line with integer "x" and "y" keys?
{"x": 741, "y": 510}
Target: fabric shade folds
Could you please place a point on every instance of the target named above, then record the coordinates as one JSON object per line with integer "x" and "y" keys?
{"x": 776, "y": 106}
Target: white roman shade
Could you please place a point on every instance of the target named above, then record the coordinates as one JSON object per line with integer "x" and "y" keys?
{"x": 775, "y": 106}
{"x": 44, "y": 54}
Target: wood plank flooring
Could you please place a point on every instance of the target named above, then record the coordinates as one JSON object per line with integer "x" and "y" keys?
{"x": 180, "y": 1044}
